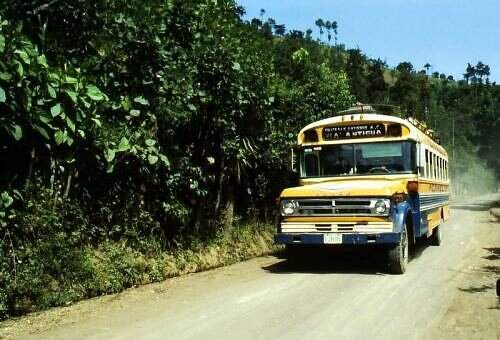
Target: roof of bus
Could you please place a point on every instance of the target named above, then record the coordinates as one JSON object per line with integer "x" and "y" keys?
{"x": 415, "y": 133}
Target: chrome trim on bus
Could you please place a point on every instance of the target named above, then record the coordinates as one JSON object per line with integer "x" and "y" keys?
{"x": 360, "y": 207}
{"x": 344, "y": 227}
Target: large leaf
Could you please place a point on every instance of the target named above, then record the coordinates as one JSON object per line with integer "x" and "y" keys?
{"x": 135, "y": 113}
{"x": 55, "y": 110}
{"x": 141, "y": 100}
{"x": 124, "y": 145}
{"x": 24, "y": 56}
{"x": 164, "y": 160}
{"x": 152, "y": 159}
{"x": 6, "y": 199}
{"x": 110, "y": 155}
{"x": 72, "y": 95}
{"x": 52, "y": 91}
{"x": 5, "y": 76}
{"x": 95, "y": 93}
{"x": 3, "y": 98}
{"x": 16, "y": 132}
{"x": 2, "y": 43}
{"x": 71, "y": 124}
{"x": 41, "y": 130}
{"x": 70, "y": 80}
{"x": 19, "y": 68}
{"x": 42, "y": 61}
{"x": 60, "y": 137}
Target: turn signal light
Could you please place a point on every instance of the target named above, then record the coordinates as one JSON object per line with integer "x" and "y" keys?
{"x": 412, "y": 187}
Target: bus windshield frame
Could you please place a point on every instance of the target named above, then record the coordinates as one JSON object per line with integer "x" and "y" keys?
{"x": 358, "y": 159}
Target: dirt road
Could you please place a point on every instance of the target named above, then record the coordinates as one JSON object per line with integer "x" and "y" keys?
{"x": 447, "y": 292}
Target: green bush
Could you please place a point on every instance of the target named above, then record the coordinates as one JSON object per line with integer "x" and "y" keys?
{"x": 48, "y": 260}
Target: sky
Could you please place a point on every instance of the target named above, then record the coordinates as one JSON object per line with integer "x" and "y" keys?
{"x": 447, "y": 34}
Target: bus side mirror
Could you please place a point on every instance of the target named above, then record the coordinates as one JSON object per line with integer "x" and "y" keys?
{"x": 293, "y": 162}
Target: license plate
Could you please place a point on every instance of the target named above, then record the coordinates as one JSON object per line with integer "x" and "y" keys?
{"x": 332, "y": 238}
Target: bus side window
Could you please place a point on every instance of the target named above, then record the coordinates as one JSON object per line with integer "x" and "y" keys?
{"x": 427, "y": 164}
{"x": 413, "y": 160}
{"x": 441, "y": 172}
{"x": 431, "y": 165}
{"x": 434, "y": 167}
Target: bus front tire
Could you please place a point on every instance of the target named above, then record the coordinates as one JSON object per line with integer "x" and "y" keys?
{"x": 292, "y": 252}
{"x": 398, "y": 256}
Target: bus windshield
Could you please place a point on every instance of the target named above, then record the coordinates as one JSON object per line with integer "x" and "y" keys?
{"x": 358, "y": 159}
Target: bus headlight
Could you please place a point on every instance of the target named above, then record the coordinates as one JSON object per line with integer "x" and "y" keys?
{"x": 381, "y": 207}
{"x": 289, "y": 207}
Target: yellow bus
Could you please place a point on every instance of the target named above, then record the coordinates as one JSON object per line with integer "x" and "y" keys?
{"x": 366, "y": 178}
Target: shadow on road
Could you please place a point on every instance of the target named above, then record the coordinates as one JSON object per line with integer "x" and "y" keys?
{"x": 367, "y": 261}
{"x": 342, "y": 260}
{"x": 480, "y": 289}
{"x": 494, "y": 254}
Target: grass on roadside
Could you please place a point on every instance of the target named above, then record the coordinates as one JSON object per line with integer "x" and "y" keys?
{"x": 115, "y": 266}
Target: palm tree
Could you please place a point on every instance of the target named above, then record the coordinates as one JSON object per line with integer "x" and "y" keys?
{"x": 309, "y": 34}
{"x": 427, "y": 67}
{"x": 279, "y": 29}
{"x": 334, "y": 28}
{"x": 469, "y": 73}
{"x": 328, "y": 26}
{"x": 320, "y": 23}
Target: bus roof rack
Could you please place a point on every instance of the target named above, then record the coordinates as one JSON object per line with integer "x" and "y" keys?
{"x": 391, "y": 110}
{"x": 422, "y": 127}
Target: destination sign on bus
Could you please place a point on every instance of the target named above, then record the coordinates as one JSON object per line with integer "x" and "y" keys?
{"x": 354, "y": 131}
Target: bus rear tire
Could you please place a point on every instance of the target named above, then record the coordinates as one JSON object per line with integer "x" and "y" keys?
{"x": 398, "y": 256}
{"x": 435, "y": 239}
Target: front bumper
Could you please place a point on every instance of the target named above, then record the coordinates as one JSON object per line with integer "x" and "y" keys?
{"x": 340, "y": 238}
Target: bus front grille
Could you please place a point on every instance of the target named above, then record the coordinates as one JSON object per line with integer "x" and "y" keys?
{"x": 338, "y": 207}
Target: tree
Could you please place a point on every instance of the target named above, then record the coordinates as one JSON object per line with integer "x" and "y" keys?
{"x": 328, "y": 26}
{"x": 482, "y": 71}
{"x": 469, "y": 73}
{"x": 377, "y": 86}
{"x": 356, "y": 69}
{"x": 427, "y": 67}
{"x": 321, "y": 24}
{"x": 279, "y": 29}
{"x": 309, "y": 34}
{"x": 335, "y": 31}
{"x": 405, "y": 91}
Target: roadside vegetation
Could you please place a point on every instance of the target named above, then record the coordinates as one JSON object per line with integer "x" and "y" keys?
{"x": 146, "y": 139}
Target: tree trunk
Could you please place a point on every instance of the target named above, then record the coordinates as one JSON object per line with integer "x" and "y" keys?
{"x": 229, "y": 208}
{"x": 68, "y": 182}
{"x": 30, "y": 169}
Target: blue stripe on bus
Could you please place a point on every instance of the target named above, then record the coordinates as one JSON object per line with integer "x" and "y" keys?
{"x": 434, "y": 200}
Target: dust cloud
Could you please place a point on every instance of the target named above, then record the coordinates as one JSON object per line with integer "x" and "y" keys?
{"x": 469, "y": 176}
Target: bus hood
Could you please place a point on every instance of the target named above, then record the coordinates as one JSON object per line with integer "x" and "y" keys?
{"x": 358, "y": 187}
